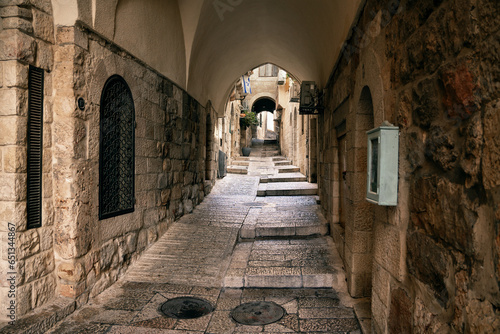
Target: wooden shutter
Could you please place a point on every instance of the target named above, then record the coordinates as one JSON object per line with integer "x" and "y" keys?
{"x": 35, "y": 147}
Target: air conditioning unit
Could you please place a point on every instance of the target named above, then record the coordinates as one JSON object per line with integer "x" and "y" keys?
{"x": 281, "y": 77}
{"x": 310, "y": 99}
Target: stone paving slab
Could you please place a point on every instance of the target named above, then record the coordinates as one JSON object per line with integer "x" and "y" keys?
{"x": 283, "y": 264}
{"x": 307, "y": 311}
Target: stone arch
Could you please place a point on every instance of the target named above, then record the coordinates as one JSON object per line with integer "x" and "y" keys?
{"x": 368, "y": 112}
{"x": 259, "y": 96}
{"x": 263, "y": 104}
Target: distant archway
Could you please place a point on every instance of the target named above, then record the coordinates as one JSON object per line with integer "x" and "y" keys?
{"x": 264, "y": 104}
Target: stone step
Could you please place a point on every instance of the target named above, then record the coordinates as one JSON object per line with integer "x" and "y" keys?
{"x": 288, "y": 169}
{"x": 283, "y": 163}
{"x": 241, "y": 163}
{"x": 284, "y": 177}
{"x": 287, "y": 189}
{"x": 237, "y": 169}
{"x": 279, "y": 158}
{"x": 270, "y": 153}
{"x": 282, "y": 264}
{"x": 241, "y": 158}
{"x": 273, "y": 222}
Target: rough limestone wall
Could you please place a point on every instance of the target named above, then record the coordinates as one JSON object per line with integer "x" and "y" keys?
{"x": 435, "y": 255}
{"x": 328, "y": 176}
{"x": 170, "y": 163}
{"x": 26, "y": 38}
{"x": 302, "y": 154}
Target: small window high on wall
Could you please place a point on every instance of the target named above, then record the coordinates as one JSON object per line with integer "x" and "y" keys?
{"x": 116, "y": 149}
{"x": 268, "y": 70}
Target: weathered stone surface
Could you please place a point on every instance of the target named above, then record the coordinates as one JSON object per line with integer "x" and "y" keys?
{"x": 428, "y": 262}
{"x": 7, "y": 187}
{"x": 400, "y": 312}
{"x": 43, "y": 26}
{"x": 22, "y": 24}
{"x": 12, "y": 11}
{"x": 16, "y": 45}
{"x": 24, "y": 301}
{"x": 473, "y": 148}
{"x": 440, "y": 148}
{"x": 8, "y": 130}
{"x": 15, "y": 75}
{"x": 43, "y": 290}
{"x": 491, "y": 151}
{"x": 72, "y": 272}
{"x": 425, "y": 321}
{"x": 481, "y": 316}
{"x": 106, "y": 255}
{"x": 445, "y": 211}
{"x": 44, "y": 5}
{"x": 71, "y": 290}
{"x": 44, "y": 56}
{"x": 425, "y": 103}
{"x": 39, "y": 265}
{"x": 462, "y": 97}
{"x": 28, "y": 244}
{"x": 415, "y": 147}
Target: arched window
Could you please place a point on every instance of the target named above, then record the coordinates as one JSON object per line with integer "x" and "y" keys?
{"x": 116, "y": 149}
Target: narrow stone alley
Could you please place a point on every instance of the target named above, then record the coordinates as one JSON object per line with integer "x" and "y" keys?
{"x": 234, "y": 248}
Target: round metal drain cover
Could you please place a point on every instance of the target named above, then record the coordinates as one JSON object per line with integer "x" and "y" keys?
{"x": 258, "y": 313}
{"x": 186, "y": 308}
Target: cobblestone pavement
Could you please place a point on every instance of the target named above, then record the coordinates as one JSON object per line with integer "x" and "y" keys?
{"x": 196, "y": 257}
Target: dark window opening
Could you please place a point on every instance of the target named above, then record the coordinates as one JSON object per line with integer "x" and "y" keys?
{"x": 35, "y": 147}
{"x": 116, "y": 149}
{"x": 268, "y": 70}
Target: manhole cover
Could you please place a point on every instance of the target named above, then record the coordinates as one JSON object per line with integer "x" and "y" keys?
{"x": 186, "y": 308}
{"x": 258, "y": 313}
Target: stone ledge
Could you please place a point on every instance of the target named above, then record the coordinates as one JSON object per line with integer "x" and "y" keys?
{"x": 42, "y": 319}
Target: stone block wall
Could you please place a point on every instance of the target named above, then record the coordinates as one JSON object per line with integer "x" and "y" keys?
{"x": 26, "y": 38}
{"x": 170, "y": 167}
{"x": 74, "y": 255}
{"x": 432, "y": 69}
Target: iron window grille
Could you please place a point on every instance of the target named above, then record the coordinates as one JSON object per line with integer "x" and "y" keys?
{"x": 116, "y": 149}
{"x": 35, "y": 147}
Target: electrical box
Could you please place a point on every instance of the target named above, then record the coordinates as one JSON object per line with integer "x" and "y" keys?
{"x": 383, "y": 159}
{"x": 307, "y": 97}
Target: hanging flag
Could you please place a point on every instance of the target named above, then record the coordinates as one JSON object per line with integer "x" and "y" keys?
{"x": 246, "y": 84}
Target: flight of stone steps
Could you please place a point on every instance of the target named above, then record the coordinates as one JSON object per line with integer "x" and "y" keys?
{"x": 282, "y": 242}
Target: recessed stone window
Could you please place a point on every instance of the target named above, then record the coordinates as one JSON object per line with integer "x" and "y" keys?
{"x": 116, "y": 149}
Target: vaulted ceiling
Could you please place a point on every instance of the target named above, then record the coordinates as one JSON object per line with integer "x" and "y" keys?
{"x": 205, "y": 45}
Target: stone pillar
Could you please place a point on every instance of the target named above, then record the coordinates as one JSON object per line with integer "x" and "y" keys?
{"x": 73, "y": 237}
